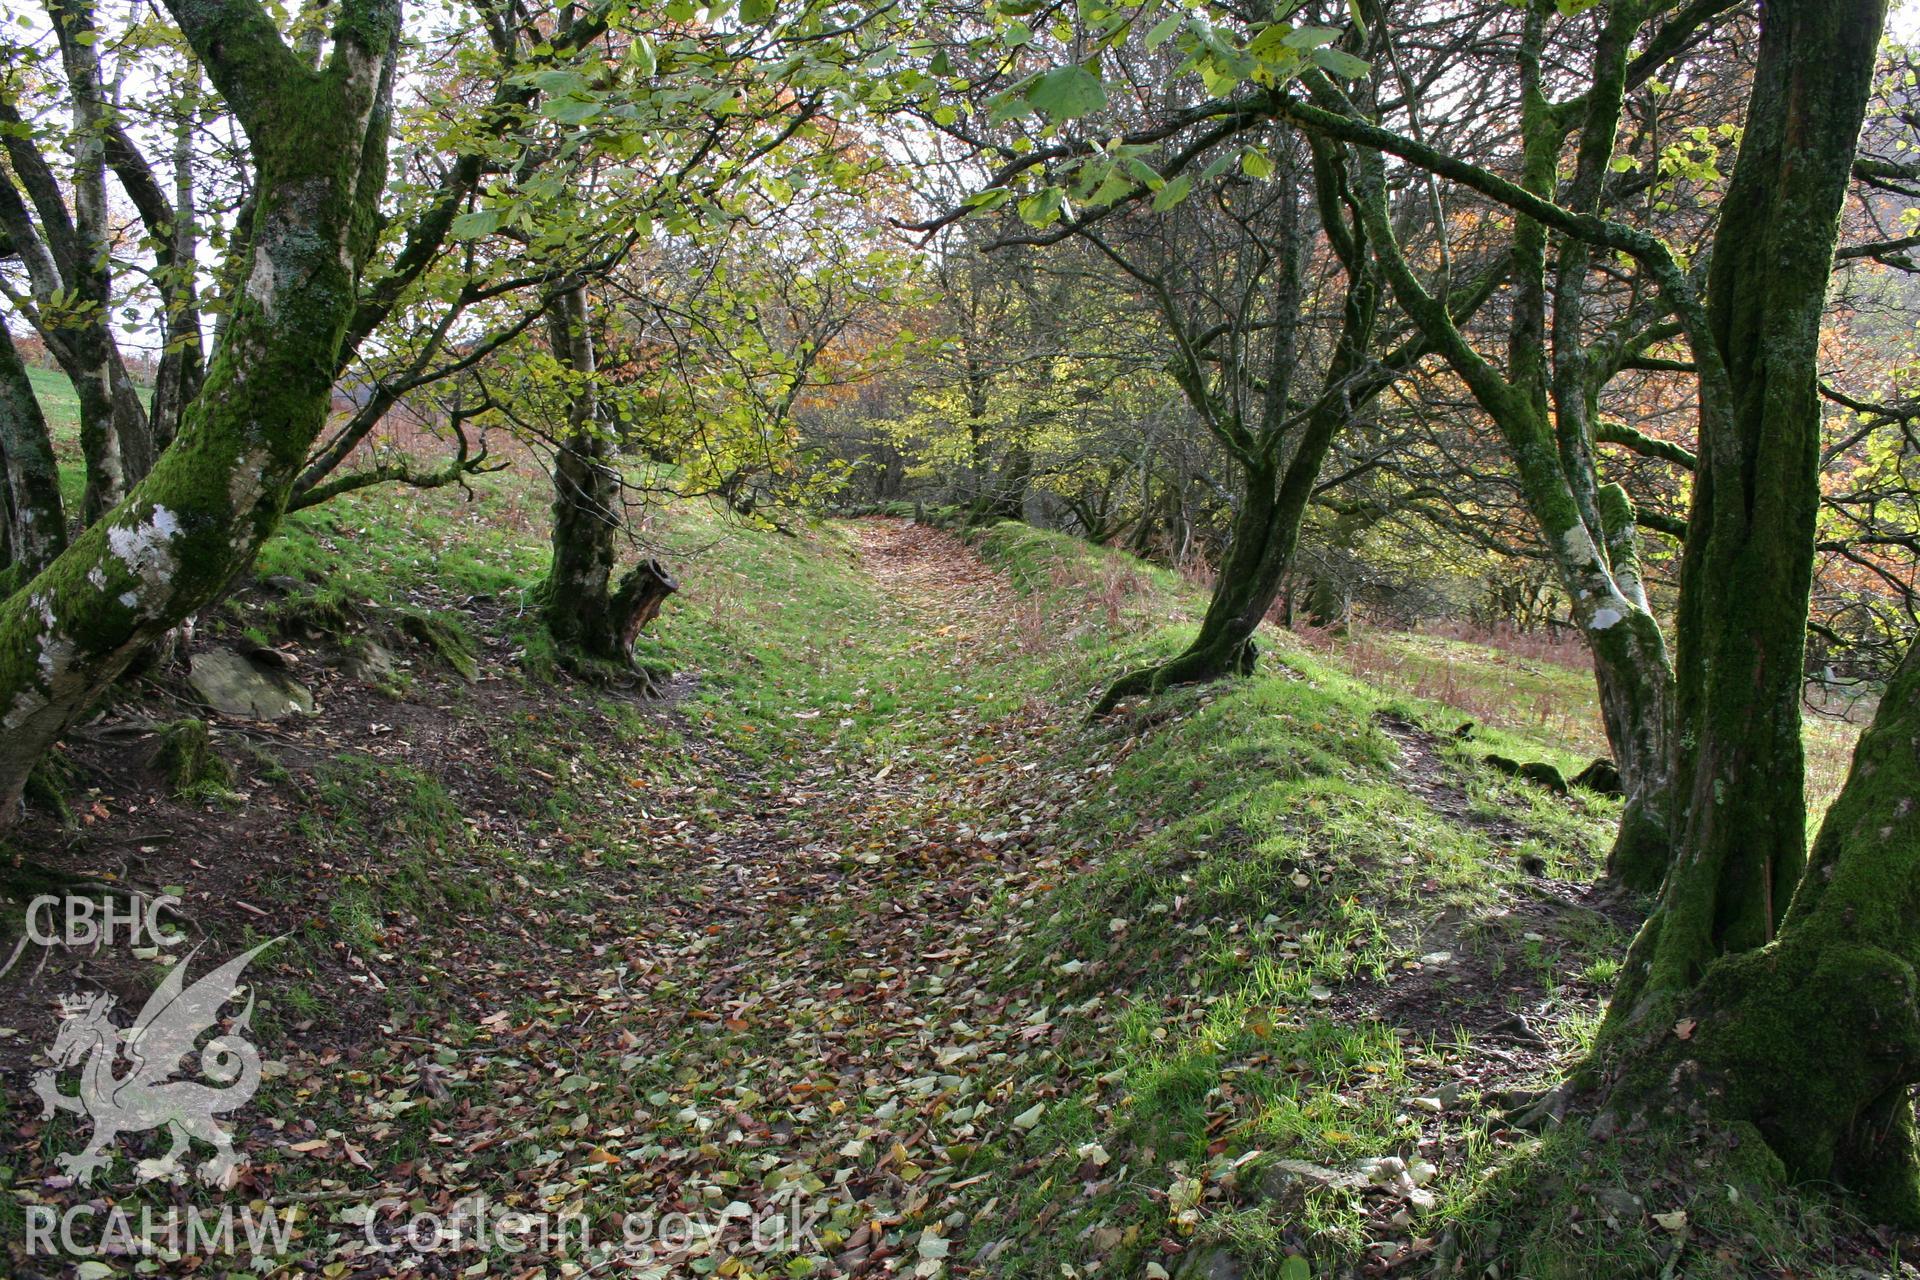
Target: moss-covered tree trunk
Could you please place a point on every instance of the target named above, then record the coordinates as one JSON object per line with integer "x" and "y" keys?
{"x": 114, "y": 433}
{"x": 1815, "y": 1039}
{"x": 1569, "y": 371}
{"x": 585, "y": 611}
{"x": 1266, "y": 534}
{"x": 1748, "y": 564}
{"x": 1585, "y": 530}
{"x": 1635, "y": 684}
{"x": 87, "y": 340}
{"x": 170, "y": 221}
{"x": 1636, "y": 707}
{"x": 318, "y": 138}
{"x": 1813, "y": 1035}
{"x": 1276, "y": 493}
{"x": 1258, "y": 551}
{"x": 1008, "y": 500}
{"x": 89, "y": 361}
{"x": 1542, "y": 402}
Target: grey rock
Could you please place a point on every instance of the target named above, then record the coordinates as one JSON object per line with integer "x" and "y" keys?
{"x": 1209, "y": 1264}
{"x": 367, "y": 660}
{"x": 1283, "y": 1176}
{"x": 235, "y": 685}
{"x": 1618, "y": 1203}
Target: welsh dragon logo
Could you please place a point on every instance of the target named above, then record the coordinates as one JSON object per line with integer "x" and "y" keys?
{"x": 145, "y": 1097}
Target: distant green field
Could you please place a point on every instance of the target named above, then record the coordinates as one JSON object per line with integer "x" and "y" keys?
{"x": 62, "y": 409}
{"x": 59, "y": 403}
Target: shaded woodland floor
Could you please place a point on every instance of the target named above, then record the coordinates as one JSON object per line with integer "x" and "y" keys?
{"x": 862, "y": 928}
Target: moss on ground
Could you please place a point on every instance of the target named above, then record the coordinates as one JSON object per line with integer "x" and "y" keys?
{"x": 186, "y": 758}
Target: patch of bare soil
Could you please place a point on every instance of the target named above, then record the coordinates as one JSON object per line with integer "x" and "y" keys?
{"x": 1427, "y": 776}
{"x": 244, "y": 867}
{"x": 1498, "y": 974}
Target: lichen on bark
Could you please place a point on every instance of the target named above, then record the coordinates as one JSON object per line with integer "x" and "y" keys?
{"x": 318, "y": 139}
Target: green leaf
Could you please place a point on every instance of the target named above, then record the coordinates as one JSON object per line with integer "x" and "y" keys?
{"x": 1256, "y": 164}
{"x": 1067, "y": 93}
{"x": 475, "y": 224}
{"x": 1341, "y": 63}
{"x": 1296, "y": 1268}
{"x": 1115, "y": 186}
{"x": 559, "y": 81}
{"x": 1010, "y": 105}
{"x": 1172, "y": 194}
{"x": 571, "y": 109}
{"x": 1310, "y": 37}
{"x": 641, "y": 54}
{"x": 1041, "y": 208}
{"x": 1144, "y": 173}
{"x": 1164, "y": 29}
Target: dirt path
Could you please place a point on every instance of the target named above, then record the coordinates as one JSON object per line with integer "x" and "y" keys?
{"x": 932, "y": 572}
{"x": 834, "y": 1004}
{"x": 1428, "y": 777}
{"x": 803, "y": 1025}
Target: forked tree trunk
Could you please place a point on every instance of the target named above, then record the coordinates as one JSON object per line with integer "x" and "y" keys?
{"x": 1812, "y": 1036}
{"x": 111, "y": 418}
{"x": 1542, "y": 402}
{"x": 177, "y": 382}
{"x": 1266, "y": 533}
{"x": 1632, "y": 673}
{"x": 585, "y": 612}
{"x": 319, "y": 140}
{"x": 1266, "y": 527}
{"x": 1243, "y": 591}
{"x": 1008, "y": 498}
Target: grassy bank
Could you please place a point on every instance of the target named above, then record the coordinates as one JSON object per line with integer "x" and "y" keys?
{"x": 1324, "y": 935}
